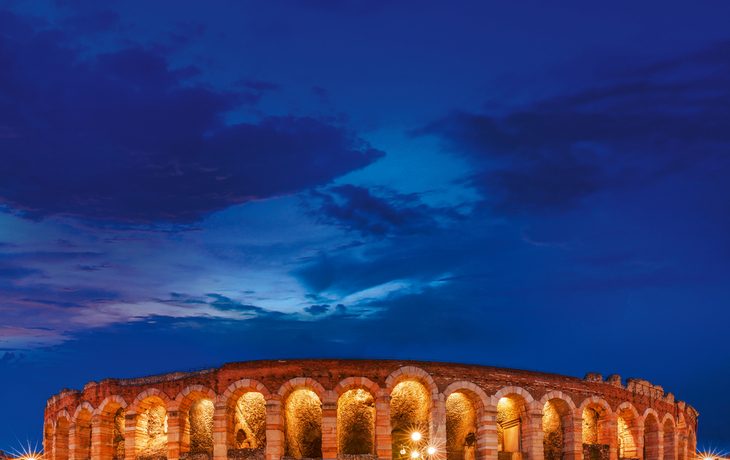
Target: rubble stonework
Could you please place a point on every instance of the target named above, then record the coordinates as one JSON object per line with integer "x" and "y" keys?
{"x": 542, "y": 416}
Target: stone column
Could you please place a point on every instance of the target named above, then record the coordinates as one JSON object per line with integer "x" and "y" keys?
{"x": 73, "y": 444}
{"x": 383, "y": 441}
{"x": 221, "y": 442}
{"x": 174, "y": 434}
{"x": 437, "y": 427}
{"x": 329, "y": 426}
{"x": 274, "y": 428}
{"x": 637, "y": 434}
{"x": 532, "y": 435}
{"x": 573, "y": 436}
{"x": 653, "y": 442}
{"x": 487, "y": 434}
{"x": 130, "y": 436}
{"x": 608, "y": 434}
{"x": 97, "y": 427}
{"x": 669, "y": 442}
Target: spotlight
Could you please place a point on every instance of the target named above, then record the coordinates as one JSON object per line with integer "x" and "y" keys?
{"x": 416, "y": 436}
{"x": 431, "y": 450}
{"x": 414, "y": 454}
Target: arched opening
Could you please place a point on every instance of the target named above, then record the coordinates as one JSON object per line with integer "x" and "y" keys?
{"x": 356, "y": 422}
{"x": 48, "y": 442}
{"x": 82, "y": 436}
{"x": 303, "y": 424}
{"x": 246, "y": 422}
{"x": 627, "y": 441}
{"x": 651, "y": 438}
{"x": 196, "y": 427}
{"x": 670, "y": 449}
{"x": 555, "y": 419}
{"x": 461, "y": 427}
{"x": 151, "y": 432}
{"x": 510, "y": 432}
{"x": 410, "y": 406}
{"x": 61, "y": 445}
{"x": 596, "y": 433}
{"x": 111, "y": 431}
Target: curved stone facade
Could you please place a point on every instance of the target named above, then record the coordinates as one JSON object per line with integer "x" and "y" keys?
{"x": 366, "y": 409}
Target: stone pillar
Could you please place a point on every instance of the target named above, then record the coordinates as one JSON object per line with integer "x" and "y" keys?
{"x": 653, "y": 442}
{"x": 383, "y": 440}
{"x": 608, "y": 434}
{"x": 669, "y": 444}
{"x": 174, "y": 434}
{"x": 73, "y": 442}
{"x": 221, "y": 442}
{"x": 329, "y": 426}
{"x": 573, "y": 436}
{"x": 97, "y": 447}
{"x": 437, "y": 427}
{"x": 274, "y": 428}
{"x": 130, "y": 436}
{"x": 532, "y": 435}
{"x": 487, "y": 434}
{"x": 637, "y": 434}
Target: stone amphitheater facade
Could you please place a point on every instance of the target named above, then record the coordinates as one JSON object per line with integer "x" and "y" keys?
{"x": 367, "y": 409}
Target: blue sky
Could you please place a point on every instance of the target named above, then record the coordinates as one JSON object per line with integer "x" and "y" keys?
{"x": 521, "y": 184}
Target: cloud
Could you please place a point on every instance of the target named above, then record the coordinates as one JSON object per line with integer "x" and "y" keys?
{"x": 356, "y": 209}
{"x": 317, "y": 310}
{"x": 640, "y": 126}
{"x": 123, "y": 137}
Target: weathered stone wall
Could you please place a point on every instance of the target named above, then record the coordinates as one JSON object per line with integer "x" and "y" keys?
{"x": 125, "y": 436}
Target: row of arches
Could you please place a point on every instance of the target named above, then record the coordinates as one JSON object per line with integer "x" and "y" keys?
{"x": 357, "y": 417}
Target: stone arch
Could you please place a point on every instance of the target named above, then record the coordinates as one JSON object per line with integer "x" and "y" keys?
{"x": 356, "y": 415}
{"x": 465, "y": 403}
{"x": 350, "y": 383}
{"x": 559, "y": 430}
{"x": 245, "y": 413}
{"x": 629, "y": 431}
{"x": 514, "y": 422}
{"x": 194, "y": 421}
{"x": 302, "y": 399}
{"x": 413, "y": 396}
{"x": 598, "y": 427}
{"x": 151, "y": 428}
{"x": 61, "y": 436}
{"x": 652, "y": 435}
{"x": 681, "y": 437}
{"x": 691, "y": 444}
{"x": 669, "y": 435}
{"x": 80, "y": 443}
{"x": 111, "y": 415}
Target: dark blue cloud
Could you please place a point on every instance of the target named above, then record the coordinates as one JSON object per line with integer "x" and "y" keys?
{"x": 123, "y": 137}
{"x": 316, "y": 310}
{"x": 640, "y": 126}
{"x": 355, "y": 208}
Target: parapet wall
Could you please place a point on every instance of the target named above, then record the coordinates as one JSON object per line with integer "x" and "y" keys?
{"x": 633, "y": 420}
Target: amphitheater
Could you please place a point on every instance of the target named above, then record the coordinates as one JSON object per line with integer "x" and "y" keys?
{"x": 368, "y": 409}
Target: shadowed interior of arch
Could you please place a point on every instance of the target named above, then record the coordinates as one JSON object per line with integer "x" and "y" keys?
{"x": 303, "y": 424}
{"x": 409, "y": 412}
{"x": 509, "y": 429}
{"x": 82, "y": 436}
{"x": 460, "y": 427}
{"x": 151, "y": 431}
{"x": 356, "y": 422}
{"x": 197, "y": 433}
{"x": 554, "y": 414}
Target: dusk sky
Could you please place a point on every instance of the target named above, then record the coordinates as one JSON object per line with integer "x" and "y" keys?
{"x": 538, "y": 185}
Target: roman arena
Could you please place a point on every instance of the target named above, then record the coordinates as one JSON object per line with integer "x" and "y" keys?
{"x": 360, "y": 409}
